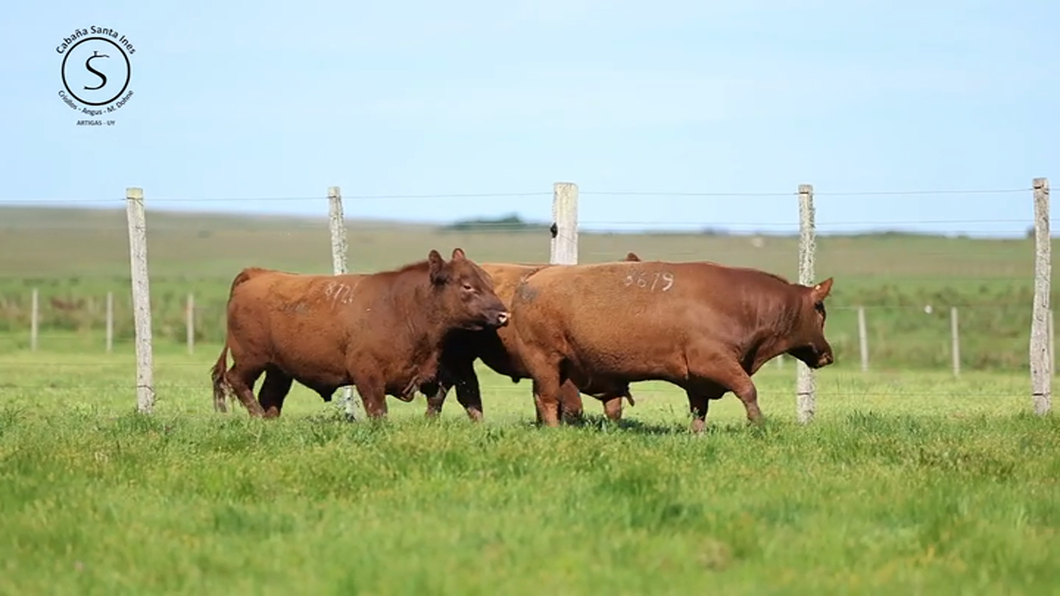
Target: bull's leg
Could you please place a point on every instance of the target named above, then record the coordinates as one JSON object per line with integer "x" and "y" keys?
{"x": 273, "y": 392}
{"x": 547, "y": 377}
{"x": 729, "y": 376}
{"x": 436, "y": 400}
{"x": 613, "y": 408}
{"x": 699, "y": 404}
{"x": 373, "y": 396}
{"x": 469, "y": 394}
{"x": 747, "y": 392}
{"x": 546, "y": 399}
{"x": 739, "y": 382}
{"x": 241, "y": 379}
{"x": 571, "y": 409}
{"x": 711, "y": 373}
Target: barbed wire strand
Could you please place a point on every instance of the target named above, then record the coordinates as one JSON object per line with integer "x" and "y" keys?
{"x": 301, "y": 223}
{"x": 153, "y": 199}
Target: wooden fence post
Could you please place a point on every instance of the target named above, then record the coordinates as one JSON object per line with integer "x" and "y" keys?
{"x": 34, "y": 319}
{"x": 1041, "y": 382}
{"x": 141, "y": 297}
{"x": 564, "y": 247}
{"x": 339, "y": 251}
{"x": 189, "y": 322}
{"x": 955, "y": 341}
{"x": 1052, "y": 346}
{"x": 110, "y": 322}
{"x": 863, "y": 339}
{"x": 805, "y": 390}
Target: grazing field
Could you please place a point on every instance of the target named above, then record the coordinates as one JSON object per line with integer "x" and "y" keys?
{"x": 908, "y": 483}
{"x": 909, "y": 480}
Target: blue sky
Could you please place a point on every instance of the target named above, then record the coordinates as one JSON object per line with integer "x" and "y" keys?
{"x": 254, "y": 100}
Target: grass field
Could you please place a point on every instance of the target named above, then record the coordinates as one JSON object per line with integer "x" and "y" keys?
{"x": 905, "y": 483}
{"x": 908, "y": 481}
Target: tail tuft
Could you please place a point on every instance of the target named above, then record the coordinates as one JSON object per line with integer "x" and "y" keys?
{"x": 221, "y": 389}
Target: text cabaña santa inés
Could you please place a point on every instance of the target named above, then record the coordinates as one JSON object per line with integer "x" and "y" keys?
{"x": 93, "y": 30}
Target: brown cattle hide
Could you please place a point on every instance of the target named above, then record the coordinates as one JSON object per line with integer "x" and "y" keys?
{"x": 381, "y": 332}
{"x": 499, "y": 351}
{"x": 699, "y": 325}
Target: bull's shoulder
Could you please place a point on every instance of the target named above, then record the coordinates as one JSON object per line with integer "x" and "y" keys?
{"x": 510, "y": 270}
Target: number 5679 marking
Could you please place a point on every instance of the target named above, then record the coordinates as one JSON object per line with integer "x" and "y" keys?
{"x": 660, "y": 280}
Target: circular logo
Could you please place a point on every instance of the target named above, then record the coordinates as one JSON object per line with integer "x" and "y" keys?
{"x": 96, "y": 71}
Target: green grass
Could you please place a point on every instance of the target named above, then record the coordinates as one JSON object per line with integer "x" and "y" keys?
{"x": 905, "y": 483}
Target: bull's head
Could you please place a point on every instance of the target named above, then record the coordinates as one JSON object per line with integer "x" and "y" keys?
{"x": 810, "y": 346}
{"x": 464, "y": 294}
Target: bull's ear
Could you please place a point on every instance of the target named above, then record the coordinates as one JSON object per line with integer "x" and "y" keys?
{"x": 632, "y": 256}
{"x": 436, "y": 267}
{"x": 821, "y": 290}
{"x": 458, "y": 253}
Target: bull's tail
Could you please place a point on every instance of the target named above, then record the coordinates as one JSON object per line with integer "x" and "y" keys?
{"x": 220, "y": 385}
{"x": 221, "y": 389}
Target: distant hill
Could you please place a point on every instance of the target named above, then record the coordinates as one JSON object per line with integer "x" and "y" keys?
{"x": 82, "y": 218}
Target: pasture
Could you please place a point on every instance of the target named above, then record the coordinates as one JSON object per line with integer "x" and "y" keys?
{"x": 908, "y": 483}
{"x": 908, "y": 479}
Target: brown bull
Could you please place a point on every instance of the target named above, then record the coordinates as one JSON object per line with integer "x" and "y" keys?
{"x": 499, "y": 351}
{"x": 380, "y": 332}
{"x": 702, "y": 326}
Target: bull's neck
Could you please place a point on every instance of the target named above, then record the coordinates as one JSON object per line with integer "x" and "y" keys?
{"x": 775, "y": 329}
{"x": 424, "y": 327}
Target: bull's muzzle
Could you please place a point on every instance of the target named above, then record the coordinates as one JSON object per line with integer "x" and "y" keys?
{"x": 501, "y": 319}
{"x": 825, "y": 359}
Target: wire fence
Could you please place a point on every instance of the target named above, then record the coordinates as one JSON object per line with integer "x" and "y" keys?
{"x": 956, "y": 301}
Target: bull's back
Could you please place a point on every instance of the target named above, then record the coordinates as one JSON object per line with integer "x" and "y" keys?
{"x": 277, "y": 308}
{"x": 506, "y": 277}
{"x": 613, "y": 312}
{"x": 621, "y": 288}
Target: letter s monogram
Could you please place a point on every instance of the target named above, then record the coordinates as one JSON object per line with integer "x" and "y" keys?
{"x": 88, "y": 65}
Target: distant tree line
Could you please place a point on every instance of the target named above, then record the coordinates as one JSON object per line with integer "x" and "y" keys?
{"x": 504, "y": 223}
{"x": 514, "y": 223}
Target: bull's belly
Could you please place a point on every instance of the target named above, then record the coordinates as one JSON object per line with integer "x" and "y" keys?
{"x": 315, "y": 373}
{"x": 601, "y": 387}
{"x": 607, "y": 366}
{"x": 506, "y": 365}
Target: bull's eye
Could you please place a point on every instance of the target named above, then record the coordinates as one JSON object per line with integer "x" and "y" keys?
{"x": 468, "y": 287}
